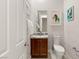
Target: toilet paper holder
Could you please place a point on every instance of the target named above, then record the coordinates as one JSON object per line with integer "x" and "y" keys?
{"x": 76, "y": 50}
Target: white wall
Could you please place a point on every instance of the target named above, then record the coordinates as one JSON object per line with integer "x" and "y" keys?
{"x": 71, "y": 29}
{"x": 48, "y": 5}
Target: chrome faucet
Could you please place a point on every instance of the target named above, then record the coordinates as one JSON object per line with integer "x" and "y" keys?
{"x": 40, "y": 31}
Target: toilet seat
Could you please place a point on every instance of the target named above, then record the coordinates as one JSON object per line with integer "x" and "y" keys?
{"x": 59, "y": 48}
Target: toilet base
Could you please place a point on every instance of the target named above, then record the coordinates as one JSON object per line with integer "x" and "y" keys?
{"x": 52, "y": 55}
{"x": 58, "y": 57}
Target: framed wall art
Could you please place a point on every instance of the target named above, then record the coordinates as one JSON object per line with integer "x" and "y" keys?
{"x": 56, "y": 18}
{"x": 70, "y": 14}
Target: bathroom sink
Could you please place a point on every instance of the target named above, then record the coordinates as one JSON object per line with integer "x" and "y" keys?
{"x": 39, "y": 35}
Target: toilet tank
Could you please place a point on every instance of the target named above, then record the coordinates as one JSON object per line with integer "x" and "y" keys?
{"x": 57, "y": 40}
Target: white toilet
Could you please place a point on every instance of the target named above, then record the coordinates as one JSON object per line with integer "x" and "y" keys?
{"x": 58, "y": 49}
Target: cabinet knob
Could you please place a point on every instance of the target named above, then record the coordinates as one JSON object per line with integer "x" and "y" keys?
{"x": 25, "y": 44}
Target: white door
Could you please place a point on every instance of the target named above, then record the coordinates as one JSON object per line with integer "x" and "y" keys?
{"x": 21, "y": 31}
{"x": 12, "y": 30}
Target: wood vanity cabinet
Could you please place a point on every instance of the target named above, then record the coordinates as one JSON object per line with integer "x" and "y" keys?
{"x": 39, "y": 47}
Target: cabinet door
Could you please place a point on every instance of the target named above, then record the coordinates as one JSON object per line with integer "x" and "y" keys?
{"x": 34, "y": 47}
{"x": 44, "y": 47}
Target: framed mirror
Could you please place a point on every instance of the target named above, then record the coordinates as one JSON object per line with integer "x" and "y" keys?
{"x": 42, "y": 20}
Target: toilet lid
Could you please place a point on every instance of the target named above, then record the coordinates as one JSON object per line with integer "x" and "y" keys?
{"x": 59, "y": 48}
